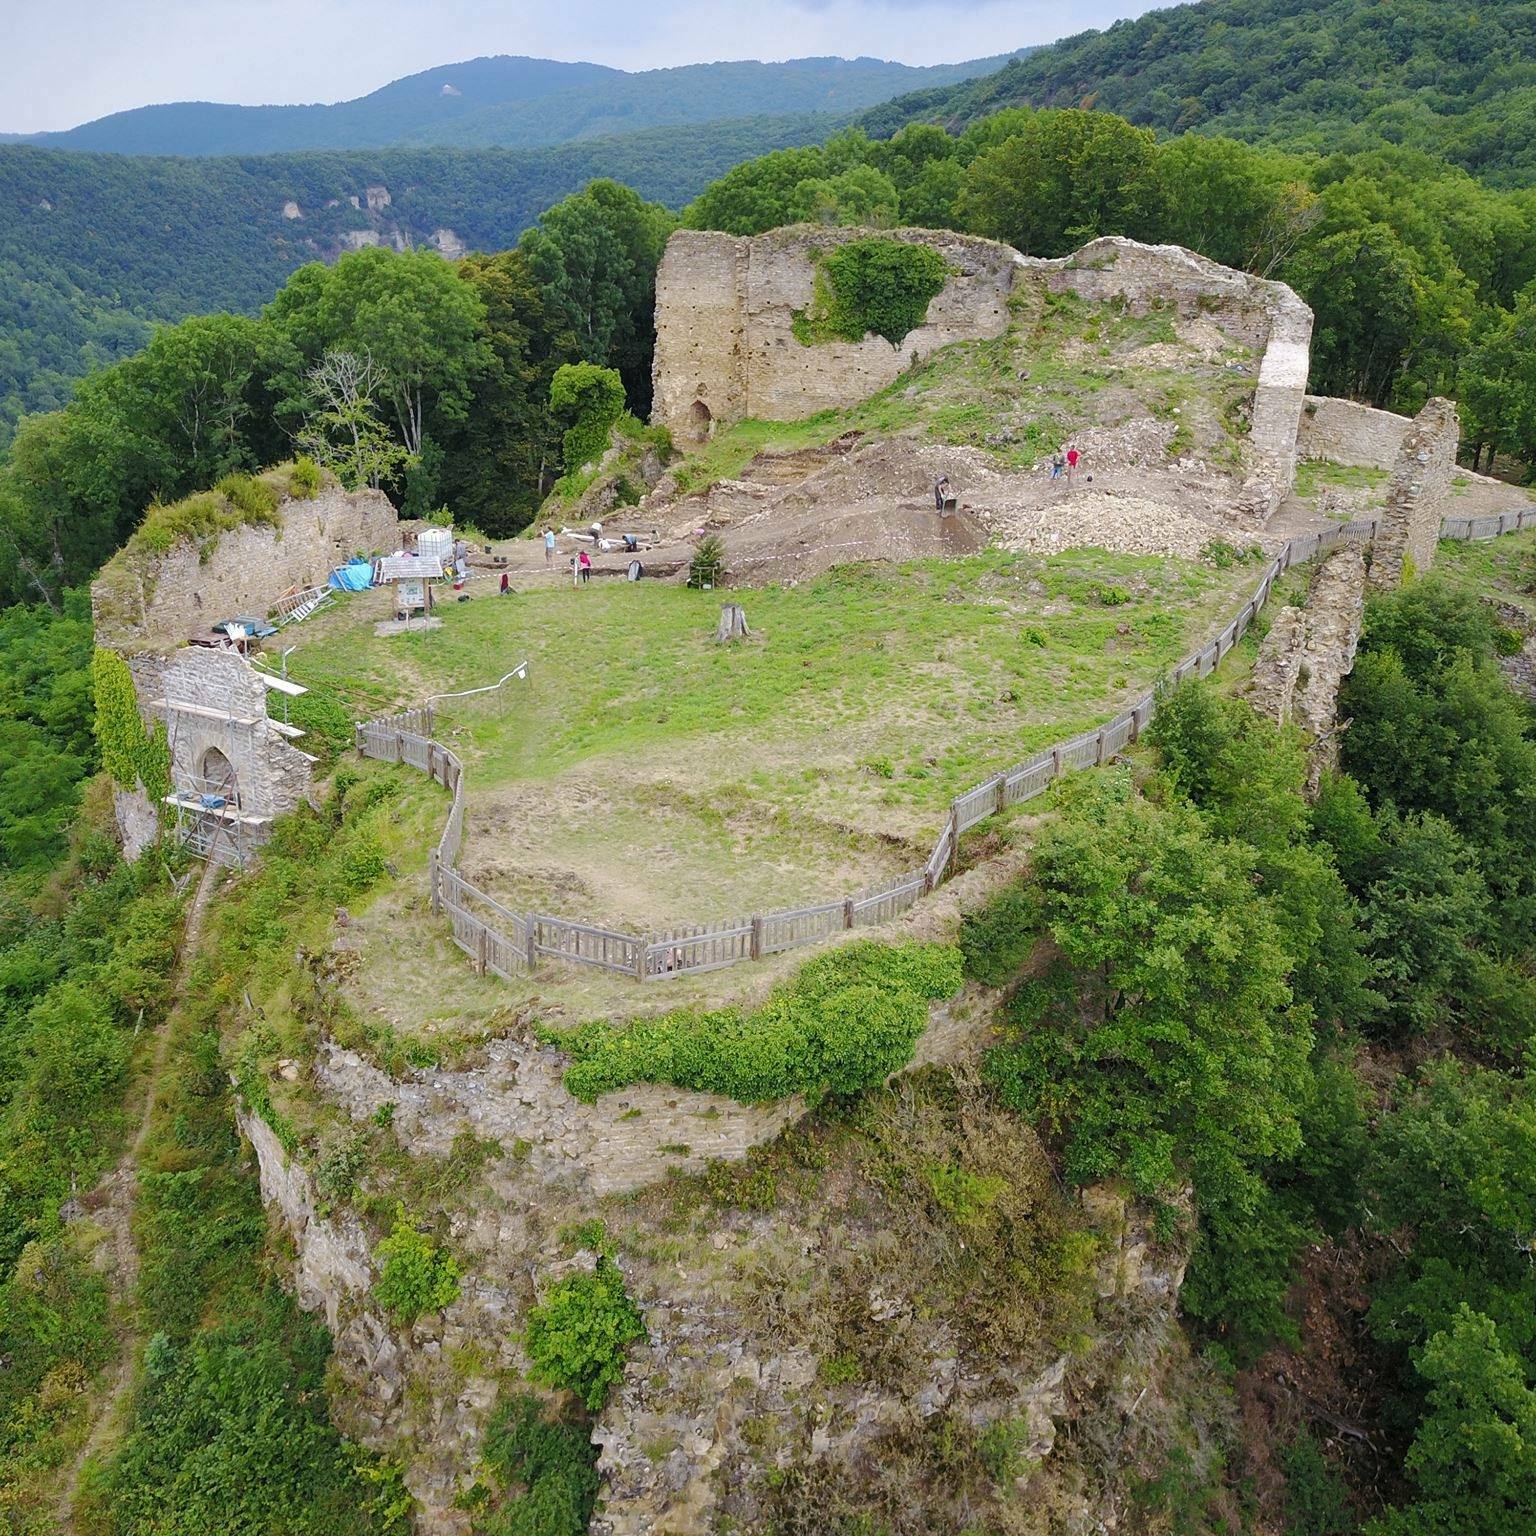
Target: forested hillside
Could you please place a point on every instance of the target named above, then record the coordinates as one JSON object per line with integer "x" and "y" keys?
{"x": 1455, "y": 78}
{"x": 513, "y": 103}
{"x": 95, "y": 249}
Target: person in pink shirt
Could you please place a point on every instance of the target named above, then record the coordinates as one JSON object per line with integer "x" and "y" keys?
{"x": 584, "y": 567}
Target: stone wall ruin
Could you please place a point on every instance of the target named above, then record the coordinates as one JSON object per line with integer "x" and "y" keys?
{"x": 147, "y": 601}
{"x": 726, "y": 307}
{"x": 211, "y": 702}
{"x": 1416, "y": 495}
{"x": 725, "y": 313}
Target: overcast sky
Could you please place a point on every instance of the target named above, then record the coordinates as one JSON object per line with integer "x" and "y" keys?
{"x": 64, "y": 62}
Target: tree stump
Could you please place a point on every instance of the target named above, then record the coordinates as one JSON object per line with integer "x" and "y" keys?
{"x": 732, "y": 625}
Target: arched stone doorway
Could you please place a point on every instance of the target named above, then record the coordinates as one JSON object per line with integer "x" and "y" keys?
{"x": 218, "y": 776}
{"x": 701, "y": 421}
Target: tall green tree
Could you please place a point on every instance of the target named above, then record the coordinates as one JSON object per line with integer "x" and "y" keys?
{"x": 498, "y": 462}
{"x": 407, "y": 312}
{"x": 1066, "y": 178}
{"x": 596, "y": 254}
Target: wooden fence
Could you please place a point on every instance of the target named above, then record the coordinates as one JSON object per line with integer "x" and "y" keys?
{"x": 509, "y": 943}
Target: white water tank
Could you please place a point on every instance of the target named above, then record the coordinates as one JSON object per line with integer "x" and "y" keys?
{"x": 436, "y": 541}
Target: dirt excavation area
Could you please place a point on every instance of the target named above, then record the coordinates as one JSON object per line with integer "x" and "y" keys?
{"x": 1155, "y": 407}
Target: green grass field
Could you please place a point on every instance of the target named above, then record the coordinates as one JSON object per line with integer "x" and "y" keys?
{"x": 1504, "y": 568}
{"x": 644, "y": 775}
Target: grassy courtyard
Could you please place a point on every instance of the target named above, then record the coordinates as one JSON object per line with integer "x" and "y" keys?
{"x": 645, "y": 776}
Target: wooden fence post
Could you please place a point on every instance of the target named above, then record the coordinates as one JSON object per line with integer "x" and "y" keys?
{"x": 847, "y": 911}
{"x": 954, "y": 839}
{"x": 483, "y": 948}
{"x": 1055, "y": 762}
{"x": 1098, "y": 749}
{"x": 640, "y": 949}
{"x": 437, "y": 905}
{"x": 1002, "y": 794}
{"x": 755, "y": 950}
{"x": 533, "y": 944}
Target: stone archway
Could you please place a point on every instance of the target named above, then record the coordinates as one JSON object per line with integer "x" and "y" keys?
{"x": 701, "y": 421}
{"x": 217, "y": 774}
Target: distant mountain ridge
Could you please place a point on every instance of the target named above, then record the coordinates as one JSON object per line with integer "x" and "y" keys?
{"x": 512, "y": 102}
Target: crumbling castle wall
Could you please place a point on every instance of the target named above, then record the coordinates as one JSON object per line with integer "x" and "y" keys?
{"x": 1309, "y": 651}
{"x": 213, "y": 702}
{"x": 725, "y": 313}
{"x": 726, "y": 307}
{"x": 149, "y": 601}
{"x": 1264, "y": 315}
{"x": 1350, "y": 433}
{"x": 1416, "y": 496}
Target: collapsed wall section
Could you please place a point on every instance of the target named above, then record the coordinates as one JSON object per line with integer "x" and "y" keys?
{"x": 1309, "y": 651}
{"x": 1264, "y": 315}
{"x": 1347, "y": 432}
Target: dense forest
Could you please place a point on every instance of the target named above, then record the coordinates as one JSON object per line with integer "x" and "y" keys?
{"x": 1453, "y": 78}
{"x": 513, "y": 103}
{"x": 97, "y": 249}
{"x": 1318, "y": 1016}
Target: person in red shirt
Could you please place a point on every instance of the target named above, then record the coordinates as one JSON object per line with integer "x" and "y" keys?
{"x": 1074, "y": 458}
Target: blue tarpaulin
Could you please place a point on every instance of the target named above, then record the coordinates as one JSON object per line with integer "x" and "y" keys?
{"x": 357, "y": 576}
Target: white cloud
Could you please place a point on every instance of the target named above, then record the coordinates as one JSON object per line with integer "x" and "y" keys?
{"x": 67, "y": 61}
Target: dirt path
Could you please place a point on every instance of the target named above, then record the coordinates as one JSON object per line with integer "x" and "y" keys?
{"x": 120, "y": 1188}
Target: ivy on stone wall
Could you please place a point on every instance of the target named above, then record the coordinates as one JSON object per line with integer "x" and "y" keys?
{"x": 129, "y": 752}
{"x": 871, "y": 287}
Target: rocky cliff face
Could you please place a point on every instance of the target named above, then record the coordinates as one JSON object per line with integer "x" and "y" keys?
{"x": 890, "y": 1310}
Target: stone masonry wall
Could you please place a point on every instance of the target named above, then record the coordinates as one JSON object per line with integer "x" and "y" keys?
{"x": 1349, "y": 433}
{"x": 165, "y": 598}
{"x": 1416, "y": 496}
{"x": 1264, "y": 315}
{"x": 273, "y": 776}
{"x": 726, "y": 349}
{"x": 725, "y": 310}
{"x": 1308, "y": 653}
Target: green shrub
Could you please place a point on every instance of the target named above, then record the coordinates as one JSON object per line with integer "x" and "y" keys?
{"x": 304, "y": 479}
{"x": 416, "y": 1276}
{"x": 844, "y": 1022}
{"x": 551, "y": 1462}
{"x": 707, "y": 568}
{"x": 326, "y": 724}
{"x": 996, "y": 940}
{"x": 576, "y": 1337}
{"x": 1316, "y": 1501}
{"x": 590, "y": 399}
{"x": 254, "y": 500}
{"x": 879, "y": 287}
